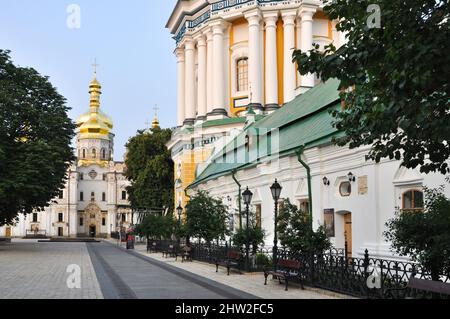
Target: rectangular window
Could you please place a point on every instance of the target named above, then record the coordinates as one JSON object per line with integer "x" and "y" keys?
{"x": 124, "y": 195}
{"x": 81, "y": 221}
{"x": 92, "y": 196}
{"x": 61, "y": 195}
{"x": 81, "y": 196}
{"x": 103, "y": 221}
{"x": 258, "y": 216}
{"x": 81, "y": 176}
{"x": 124, "y": 218}
{"x": 35, "y": 217}
{"x": 60, "y": 217}
{"x": 104, "y": 177}
{"x": 104, "y": 197}
{"x": 328, "y": 218}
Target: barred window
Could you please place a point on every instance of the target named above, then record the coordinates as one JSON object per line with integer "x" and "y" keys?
{"x": 242, "y": 74}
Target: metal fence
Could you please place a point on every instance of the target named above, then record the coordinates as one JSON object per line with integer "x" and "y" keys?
{"x": 360, "y": 277}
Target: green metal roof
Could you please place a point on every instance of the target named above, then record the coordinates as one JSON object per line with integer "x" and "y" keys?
{"x": 304, "y": 121}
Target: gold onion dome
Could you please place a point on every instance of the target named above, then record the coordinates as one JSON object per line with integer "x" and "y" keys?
{"x": 94, "y": 121}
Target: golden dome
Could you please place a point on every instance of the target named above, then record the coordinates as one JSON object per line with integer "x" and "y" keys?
{"x": 95, "y": 123}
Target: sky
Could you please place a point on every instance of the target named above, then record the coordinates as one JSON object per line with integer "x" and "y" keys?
{"x": 134, "y": 50}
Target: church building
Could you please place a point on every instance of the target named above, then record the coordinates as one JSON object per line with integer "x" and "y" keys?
{"x": 246, "y": 118}
{"x": 94, "y": 202}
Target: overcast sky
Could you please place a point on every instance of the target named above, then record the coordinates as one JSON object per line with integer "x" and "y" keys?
{"x": 137, "y": 68}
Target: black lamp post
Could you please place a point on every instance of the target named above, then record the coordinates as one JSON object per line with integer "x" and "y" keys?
{"x": 179, "y": 211}
{"x": 247, "y": 200}
{"x": 276, "y": 193}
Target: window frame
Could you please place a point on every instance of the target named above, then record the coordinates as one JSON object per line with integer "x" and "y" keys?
{"x": 413, "y": 191}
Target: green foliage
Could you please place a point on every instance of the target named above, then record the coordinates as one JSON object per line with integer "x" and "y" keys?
{"x": 157, "y": 226}
{"x": 263, "y": 260}
{"x": 399, "y": 74}
{"x": 254, "y": 234}
{"x": 150, "y": 169}
{"x": 207, "y": 217}
{"x": 35, "y": 138}
{"x": 294, "y": 227}
{"x": 424, "y": 236}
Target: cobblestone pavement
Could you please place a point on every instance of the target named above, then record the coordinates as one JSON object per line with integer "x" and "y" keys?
{"x": 250, "y": 283}
{"x": 32, "y": 270}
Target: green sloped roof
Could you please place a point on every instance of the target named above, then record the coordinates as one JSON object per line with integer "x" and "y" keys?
{"x": 304, "y": 121}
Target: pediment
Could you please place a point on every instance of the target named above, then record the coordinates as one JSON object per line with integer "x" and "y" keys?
{"x": 407, "y": 176}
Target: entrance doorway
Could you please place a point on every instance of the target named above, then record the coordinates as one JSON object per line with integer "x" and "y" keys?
{"x": 92, "y": 231}
{"x": 348, "y": 233}
{"x": 60, "y": 232}
{"x": 8, "y": 232}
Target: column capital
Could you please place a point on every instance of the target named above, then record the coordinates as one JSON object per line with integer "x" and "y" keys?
{"x": 208, "y": 33}
{"x": 253, "y": 17}
{"x": 189, "y": 43}
{"x": 179, "y": 53}
{"x": 200, "y": 39}
{"x": 218, "y": 26}
{"x": 289, "y": 16}
{"x": 307, "y": 12}
{"x": 270, "y": 19}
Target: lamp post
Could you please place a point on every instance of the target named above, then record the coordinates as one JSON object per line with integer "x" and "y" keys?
{"x": 179, "y": 211}
{"x": 247, "y": 200}
{"x": 276, "y": 192}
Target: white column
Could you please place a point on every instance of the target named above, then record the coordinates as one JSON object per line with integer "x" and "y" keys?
{"x": 219, "y": 81}
{"x": 271, "y": 61}
{"x": 181, "y": 85}
{"x": 306, "y": 14}
{"x": 201, "y": 90}
{"x": 254, "y": 58}
{"x": 289, "y": 45}
{"x": 298, "y": 28}
{"x": 209, "y": 70}
{"x": 190, "y": 111}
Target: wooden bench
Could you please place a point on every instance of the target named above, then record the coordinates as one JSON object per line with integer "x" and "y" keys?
{"x": 185, "y": 254}
{"x": 286, "y": 269}
{"x": 152, "y": 247}
{"x": 170, "y": 251}
{"x": 416, "y": 284}
{"x": 233, "y": 260}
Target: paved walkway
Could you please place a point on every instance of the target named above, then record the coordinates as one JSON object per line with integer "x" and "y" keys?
{"x": 32, "y": 270}
{"x": 250, "y": 283}
{"x": 130, "y": 276}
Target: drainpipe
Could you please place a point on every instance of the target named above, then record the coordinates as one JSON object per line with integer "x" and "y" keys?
{"x": 308, "y": 172}
{"x": 239, "y": 197}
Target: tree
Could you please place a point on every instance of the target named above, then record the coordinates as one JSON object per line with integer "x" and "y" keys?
{"x": 424, "y": 236}
{"x": 157, "y": 226}
{"x": 254, "y": 233}
{"x": 150, "y": 169}
{"x": 398, "y": 78}
{"x": 295, "y": 230}
{"x": 35, "y": 138}
{"x": 207, "y": 217}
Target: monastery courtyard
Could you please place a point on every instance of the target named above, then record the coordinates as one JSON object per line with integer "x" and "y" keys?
{"x": 33, "y": 270}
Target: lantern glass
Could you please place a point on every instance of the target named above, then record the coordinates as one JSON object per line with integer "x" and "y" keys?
{"x": 247, "y": 195}
{"x": 276, "y": 191}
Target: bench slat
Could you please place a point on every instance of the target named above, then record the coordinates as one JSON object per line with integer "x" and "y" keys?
{"x": 428, "y": 285}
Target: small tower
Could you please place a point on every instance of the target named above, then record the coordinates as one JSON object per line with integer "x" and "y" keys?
{"x": 95, "y": 141}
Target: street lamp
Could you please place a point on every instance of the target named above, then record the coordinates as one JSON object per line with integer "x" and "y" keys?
{"x": 179, "y": 211}
{"x": 276, "y": 193}
{"x": 247, "y": 200}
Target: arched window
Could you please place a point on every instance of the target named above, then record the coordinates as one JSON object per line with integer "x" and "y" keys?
{"x": 413, "y": 200}
{"x": 94, "y": 153}
{"x": 84, "y": 153}
{"x": 103, "y": 154}
{"x": 242, "y": 75}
